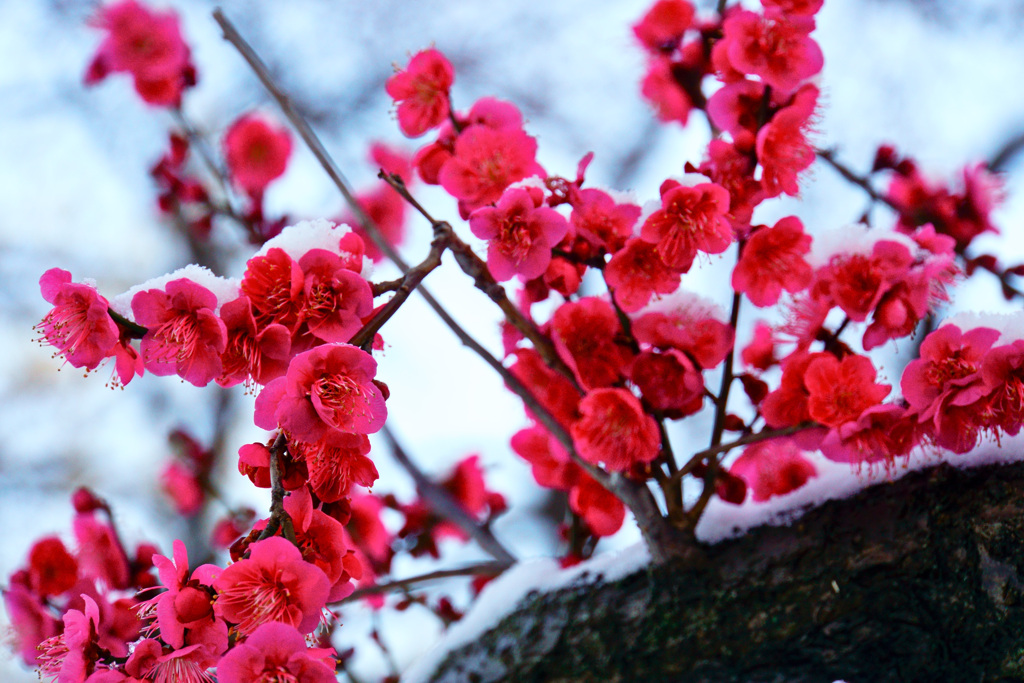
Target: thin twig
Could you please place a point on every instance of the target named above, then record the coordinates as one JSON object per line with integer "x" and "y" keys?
{"x": 829, "y": 157}
{"x": 763, "y": 435}
{"x": 443, "y": 504}
{"x": 482, "y": 569}
{"x": 406, "y": 286}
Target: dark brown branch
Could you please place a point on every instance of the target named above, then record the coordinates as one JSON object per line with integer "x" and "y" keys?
{"x": 279, "y": 520}
{"x": 829, "y": 157}
{"x": 482, "y": 569}
{"x": 133, "y": 329}
{"x": 764, "y": 435}
{"x": 441, "y": 502}
{"x": 406, "y": 286}
{"x": 721, "y": 412}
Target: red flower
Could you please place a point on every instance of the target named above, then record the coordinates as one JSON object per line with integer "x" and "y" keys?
{"x": 601, "y": 221}
{"x": 881, "y": 434}
{"x": 600, "y": 509}
{"x": 273, "y": 584}
{"x": 635, "y": 273}
{"x": 773, "y": 468}
{"x": 554, "y": 392}
{"x": 782, "y": 147}
{"x": 273, "y": 283}
{"x": 188, "y": 602}
{"x": 663, "y": 91}
{"x": 256, "y": 151}
{"x": 52, "y": 570}
{"x": 79, "y": 325}
{"x": 185, "y": 336}
{"x": 773, "y": 46}
{"x": 772, "y": 260}
{"x": 549, "y": 462}
{"x": 146, "y": 44}
{"x": 1003, "y": 373}
{"x": 421, "y": 92}
{"x": 276, "y": 652}
{"x": 335, "y": 299}
{"x": 252, "y": 355}
{"x": 945, "y": 388}
{"x": 760, "y": 353}
{"x": 669, "y": 382}
{"x": 664, "y": 24}
{"x": 690, "y": 219}
{"x": 705, "y": 338}
{"x": 614, "y": 430}
{"x": 839, "y": 391}
{"x": 520, "y": 235}
{"x": 323, "y": 543}
{"x": 485, "y": 162}
{"x": 327, "y": 388}
{"x": 335, "y": 463}
{"x": 586, "y": 335}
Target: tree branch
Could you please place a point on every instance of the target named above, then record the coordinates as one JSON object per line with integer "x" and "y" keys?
{"x": 482, "y": 569}
{"x": 443, "y": 504}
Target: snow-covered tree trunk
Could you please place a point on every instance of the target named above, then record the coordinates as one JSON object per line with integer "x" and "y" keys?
{"x": 919, "y": 579}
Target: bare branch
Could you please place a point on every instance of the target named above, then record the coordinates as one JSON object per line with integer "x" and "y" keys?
{"x": 443, "y": 504}
{"x": 482, "y": 569}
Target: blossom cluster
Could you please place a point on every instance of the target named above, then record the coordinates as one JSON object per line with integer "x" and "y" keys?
{"x": 607, "y": 349}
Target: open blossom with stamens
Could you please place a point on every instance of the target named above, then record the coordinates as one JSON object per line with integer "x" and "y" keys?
{"x": 273, "y": 283}
{"x": 782, "y": 147}
{"x": 335, "y": 299}
{"x": 335, "y": 463}
{"x": 690, "y": 219}
{"x": 840, "y": 390}
{"x": 276, "y": 653}
{"x": 486, "y": 161}
{"x": 79, "y": 325}
{"x": 188, "y": 601}
{"x": 273, "y": 584}
{"x": 519, "y": 233}
{"x": 329, "y": 387}
{"x": 185, "y": 335}
{"x": 946, "y": 389}
{"x": 71, "y": 656}
{"x": 252, "y": 355}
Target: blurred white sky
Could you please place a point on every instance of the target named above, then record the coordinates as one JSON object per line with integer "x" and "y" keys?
{"x": 941, "y": 79}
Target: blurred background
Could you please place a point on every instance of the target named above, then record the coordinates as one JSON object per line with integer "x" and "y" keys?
{"x": 941, "y": 79}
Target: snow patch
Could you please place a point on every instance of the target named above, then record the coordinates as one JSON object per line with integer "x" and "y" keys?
{"x": 852, "y": 239}
{"x": 684, "y": 303}
{"x": 319, "y": 233}
{"x": 225, "y": 289}
{"x": 1009, "y": 325}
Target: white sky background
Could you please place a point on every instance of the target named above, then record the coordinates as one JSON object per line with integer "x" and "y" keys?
{"x": 940, "y": 78}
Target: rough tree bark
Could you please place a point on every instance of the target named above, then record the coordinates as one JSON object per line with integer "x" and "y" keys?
{"x": 916, "y": 580}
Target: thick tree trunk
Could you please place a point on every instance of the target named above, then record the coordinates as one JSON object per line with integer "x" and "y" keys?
{"x": 917, "y": 580}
